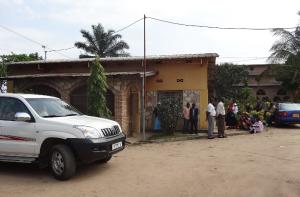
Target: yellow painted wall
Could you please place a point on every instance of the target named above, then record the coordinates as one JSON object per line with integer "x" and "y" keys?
{"x": 194, "y": 77}
{"x": 10, "y": 86}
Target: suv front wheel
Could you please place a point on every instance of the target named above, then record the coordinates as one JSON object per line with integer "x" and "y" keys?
{"x": 62, "y": 162}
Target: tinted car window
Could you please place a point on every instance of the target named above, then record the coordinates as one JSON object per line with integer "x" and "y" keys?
{"x": 9, "y": 107}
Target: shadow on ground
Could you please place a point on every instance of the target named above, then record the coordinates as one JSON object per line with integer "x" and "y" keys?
{"x": 287, "y": 126}
{"x": 32, "y": 172}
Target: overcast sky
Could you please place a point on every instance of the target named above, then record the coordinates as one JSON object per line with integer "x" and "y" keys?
{"x": 57, "y": 24}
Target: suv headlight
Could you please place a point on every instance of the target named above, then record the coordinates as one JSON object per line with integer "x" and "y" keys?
{"x": 89, "y": 132}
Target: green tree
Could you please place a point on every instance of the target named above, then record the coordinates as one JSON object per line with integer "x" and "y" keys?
{"x": 287, "y": 50}
{"x": 102, "y": 43}
{"x": 20, "y": 57}
{"x": 229, "y": 79}
{"x": 97, "y": 89}
{"x": 284, "y": 74}
{"x": 5, "y": 59}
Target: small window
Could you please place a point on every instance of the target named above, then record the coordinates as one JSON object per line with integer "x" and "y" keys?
{"x": 260, "y": 92}
{"x": 9, "y": 107}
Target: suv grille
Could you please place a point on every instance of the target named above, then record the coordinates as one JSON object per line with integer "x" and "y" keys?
{"x": 111, "y": 131}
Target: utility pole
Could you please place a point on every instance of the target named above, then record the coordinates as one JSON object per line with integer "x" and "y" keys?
{"x": 144, "y": 85}
{"x": 45, "y": 57}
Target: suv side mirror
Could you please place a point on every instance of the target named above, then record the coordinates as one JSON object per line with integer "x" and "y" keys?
{"x": 22, "y": 116}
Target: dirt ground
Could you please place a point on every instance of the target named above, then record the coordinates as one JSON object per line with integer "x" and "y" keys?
{"x": 266, "y": 164}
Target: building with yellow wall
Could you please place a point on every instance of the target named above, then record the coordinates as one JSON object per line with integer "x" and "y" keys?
{"x": 184, "y": 76}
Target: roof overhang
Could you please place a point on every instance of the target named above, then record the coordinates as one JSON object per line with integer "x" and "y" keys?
{"x": 31, "y": 76}
{"x": 120, "y": 59}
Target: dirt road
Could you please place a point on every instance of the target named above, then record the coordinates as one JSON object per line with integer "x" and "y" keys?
{"x": 266, "y": 164}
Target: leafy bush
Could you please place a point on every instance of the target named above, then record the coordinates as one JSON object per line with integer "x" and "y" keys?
{"x": 97, "y": 88}
{"x": 170, "y": 113}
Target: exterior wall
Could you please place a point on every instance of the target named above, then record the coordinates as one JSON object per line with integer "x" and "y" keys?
{"x": 10, "y": 86}
{"x": 266, "y": 83}
{"x": 151, "y": 102}
{"x": 190, "y": 77}
{"x": 65, "y": 85}
{"x": 194, "y": 76}
{"x": 187, "y": 75}
{"x": 191, "y": 96}
{"x": 271, "y": 93}
{"x": 122, "y": 88}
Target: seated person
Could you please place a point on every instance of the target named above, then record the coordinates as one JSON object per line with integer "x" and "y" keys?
{"x": 245, "y": 121}
{"x": 257, "y": 126}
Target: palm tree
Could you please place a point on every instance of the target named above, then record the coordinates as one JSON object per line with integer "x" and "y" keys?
{"x": 287, "y": 50}
{"x": 101, "y": 43}
{"x": 287, "y": 47}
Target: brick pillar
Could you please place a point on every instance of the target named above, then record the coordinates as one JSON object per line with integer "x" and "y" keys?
{"x": 121, "y": 110}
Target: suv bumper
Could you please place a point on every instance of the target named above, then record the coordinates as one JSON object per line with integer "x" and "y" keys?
{"x": 87, "y": 151}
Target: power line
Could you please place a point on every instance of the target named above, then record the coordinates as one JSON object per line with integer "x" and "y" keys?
{"x": 31, "y": 40}
{"x": 131, "y": 24}
{"x": 62, "y": 54}
{"x": 55, "y": 50}
{"x": 64, "y": 49}
{"x": 217, "y": 27}
{"x": 21, "y": 35}
{"x": 128, "y": 25}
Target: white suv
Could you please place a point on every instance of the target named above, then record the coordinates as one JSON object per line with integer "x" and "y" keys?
{"x": 44, "y": 129}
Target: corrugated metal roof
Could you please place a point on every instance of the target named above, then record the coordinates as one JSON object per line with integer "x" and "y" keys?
{"x": 148, "y": 74}
{"x": 130, "y": 58}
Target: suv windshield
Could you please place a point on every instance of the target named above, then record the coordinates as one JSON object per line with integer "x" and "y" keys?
{"x": 52, "y": 107}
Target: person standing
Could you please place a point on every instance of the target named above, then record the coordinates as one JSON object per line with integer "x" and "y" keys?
{"x": 194, "y": 118}
{"x": 230, "y": 118}
{"x": 220, "y": 114}
{"x": 156, "y": 116}
{"x": 235, "y": 108}
{"x": 258, "y": 106}
{"x": 210, "y": 117}
{"x": 186, "y": 117}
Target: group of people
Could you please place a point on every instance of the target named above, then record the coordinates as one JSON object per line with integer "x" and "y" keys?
{"x": 190, "y": 118}
{"x": 216, "y": 114}
{"x": 252, "y": 118}
{"x": 229, "y": 118}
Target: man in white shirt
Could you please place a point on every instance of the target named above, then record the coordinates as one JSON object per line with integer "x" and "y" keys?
{"x": 221, "y": 118}
{"x": 210, "y": 117}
